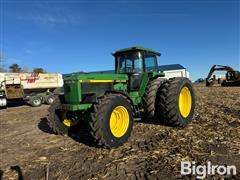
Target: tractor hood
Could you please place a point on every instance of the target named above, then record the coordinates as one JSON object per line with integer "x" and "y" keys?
{"x": 85, "y": 88}
{"x": 96, "y": 77}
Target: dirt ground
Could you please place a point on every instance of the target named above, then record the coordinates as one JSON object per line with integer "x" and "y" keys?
{"x": 29, "y": 150}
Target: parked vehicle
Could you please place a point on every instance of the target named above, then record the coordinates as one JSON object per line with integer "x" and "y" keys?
{"x": 199, "y": 80}
{"x": 232, "y": 77}
{"x": 34, "y": 88}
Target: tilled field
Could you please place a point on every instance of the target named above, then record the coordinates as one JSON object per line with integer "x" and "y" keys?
{"x": 29, "y": 149}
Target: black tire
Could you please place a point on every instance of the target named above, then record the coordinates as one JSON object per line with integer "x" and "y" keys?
{"x": 168, "y": 102}
{"x": 3, "y": 107}
{"x": 149, "y": 99}
{"x": 35, "y": 101}
{"x": 49, "y": 99}
{"x": 100, "y": 120}
{"x": 55, "y": 118}
{"x": 224, "y": 83}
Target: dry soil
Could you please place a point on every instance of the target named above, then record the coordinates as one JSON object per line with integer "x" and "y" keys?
{"x": 30, "y": 150}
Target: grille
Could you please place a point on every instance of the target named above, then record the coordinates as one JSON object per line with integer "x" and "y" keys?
{"x": 96, "y": 88}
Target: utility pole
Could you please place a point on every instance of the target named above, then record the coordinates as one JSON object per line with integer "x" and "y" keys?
{"x": 2, "y": 61}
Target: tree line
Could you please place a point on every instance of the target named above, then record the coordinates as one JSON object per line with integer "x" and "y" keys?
{"x": 15, "y": 68}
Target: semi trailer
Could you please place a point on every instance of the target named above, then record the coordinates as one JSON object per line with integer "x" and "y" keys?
{"x": 33, "y": 88}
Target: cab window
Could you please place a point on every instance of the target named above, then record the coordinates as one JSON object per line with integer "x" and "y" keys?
{"x": 130, "y": 63}
{"x": 150, "y": 62}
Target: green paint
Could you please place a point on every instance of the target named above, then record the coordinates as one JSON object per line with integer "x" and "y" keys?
{"x": 95, "y": 76}
{"x": 72, "y": 92}
{"x": 136, "y": 48}
{"x": 135, "y": 97}
{"x": 157, "y": 74}
{"x": 78, "y": 87}
{"x": 120, "y": 87}
{"x": 73, "y": 87}
{"x": 143, "y": 85}
{"x": 74, "y": 107}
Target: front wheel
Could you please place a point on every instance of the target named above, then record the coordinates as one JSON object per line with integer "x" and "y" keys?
{"x": 61, "y": 121}
{"x": 112, "y": 121}
{"x": 176, "y": 102}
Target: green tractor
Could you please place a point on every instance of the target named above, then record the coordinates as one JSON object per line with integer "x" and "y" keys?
{"x": 111, "y": 102}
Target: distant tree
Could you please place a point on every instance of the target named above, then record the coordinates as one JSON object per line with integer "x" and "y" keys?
{"x": 39, "y": 70}
{"x": 15, "y": 68}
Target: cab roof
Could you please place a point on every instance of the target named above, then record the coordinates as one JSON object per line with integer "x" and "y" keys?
{"x": 136, "y": 48}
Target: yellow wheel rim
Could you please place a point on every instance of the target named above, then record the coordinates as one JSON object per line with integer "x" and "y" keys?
{"x": 68, "y": 122}
{"x": 185, "y": 102}
{"x": 119, "y": 121}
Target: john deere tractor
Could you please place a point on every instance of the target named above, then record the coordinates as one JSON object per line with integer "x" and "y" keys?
{"x": 111, "y": 102}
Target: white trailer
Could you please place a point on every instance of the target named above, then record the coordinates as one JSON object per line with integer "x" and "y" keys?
{"x": 34, "y": 88}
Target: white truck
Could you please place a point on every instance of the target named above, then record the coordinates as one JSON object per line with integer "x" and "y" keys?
{"x": 33, "y": 88}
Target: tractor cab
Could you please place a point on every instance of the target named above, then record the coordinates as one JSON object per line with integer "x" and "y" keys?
{"x": 137, "y": 63}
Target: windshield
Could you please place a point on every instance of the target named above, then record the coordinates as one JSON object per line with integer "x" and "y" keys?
{"x": 130, "y": 63}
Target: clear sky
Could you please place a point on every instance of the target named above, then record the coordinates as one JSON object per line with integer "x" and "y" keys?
{"x": 79, "y": 35}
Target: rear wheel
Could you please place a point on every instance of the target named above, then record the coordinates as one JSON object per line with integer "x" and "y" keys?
{"x": 111, "y": 121}
{"x": 35, "y": 101}
{"x": 149, "y": 99}
{"x": 59, "y": 120}
{"x": 49, "y": 99}
{"x": 176, "y": 102}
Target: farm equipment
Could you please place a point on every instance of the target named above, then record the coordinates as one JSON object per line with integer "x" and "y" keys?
{"x": 232, "y": 77}
{"x": 33, "y": 88}
{"x": 111, "y": 102}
